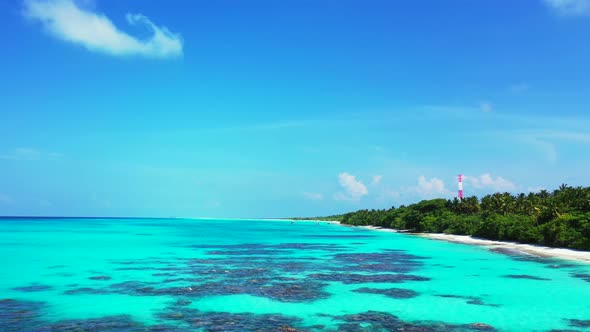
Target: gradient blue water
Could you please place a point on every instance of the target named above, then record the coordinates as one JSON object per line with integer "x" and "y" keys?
{"x": 458, "y": 284}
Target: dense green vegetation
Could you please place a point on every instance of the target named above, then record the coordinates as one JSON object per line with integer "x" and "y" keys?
{"x": 559, "y": 219}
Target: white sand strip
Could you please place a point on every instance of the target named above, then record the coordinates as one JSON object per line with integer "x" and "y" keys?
{"x": 569, "y": 254}
{"x": 582, "y": 256}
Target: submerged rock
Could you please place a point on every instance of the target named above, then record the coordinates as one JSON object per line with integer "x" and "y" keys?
{"x": 470, "y": 299}
{"x": 382, "y": 321}
{"x": 351, "y": 278}
{"x": 232, "y": 322}
{"x": 18, "y": 316}
{"x": 396, "y": 293}
{"x": 524, "y": 276}
{"x": 100, "y": 278}
{"x": 579, "y": 322}
{"x": 33, "y": 288}
{"x": 583, "y": 276}
{"x": 344, "y": 236}
{"x": 279, "y": 289}
{"x": 481, "y": 327}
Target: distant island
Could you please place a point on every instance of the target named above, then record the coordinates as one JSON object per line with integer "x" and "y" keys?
{"x": 556, "y": 219}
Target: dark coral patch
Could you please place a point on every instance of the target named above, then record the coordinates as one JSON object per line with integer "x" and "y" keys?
{"x": 86, "y": 290}
{"x": 100, "y": 278}
{"x": 583, "y": 276}
{"x": 562, "y": 266}
{"x": 347, "y": 236}
{"x": 17, "y": 316}
{"x": 579, "y": 322}
{"x": 389, "y": 261}
{"x": 121, "y": 323}
{"x": 351, "y": 278}
{"x": 469, "y": 299}
{"x": 524, "y": 276}
{"x": 33, "y": 288}
{"x": 248, "y": 252}
{"x": 225, "y": 321}
{"x": 389, "y": 256}
{"x": 279, "y": 289}
{"x": 396, "y": 293}
{"x": 305, "y": 291}
{"x": 114, "y": 323}
{"x": 381, "y": 321}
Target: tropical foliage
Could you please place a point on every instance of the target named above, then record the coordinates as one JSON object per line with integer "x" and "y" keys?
{"x": 559, "y": 219}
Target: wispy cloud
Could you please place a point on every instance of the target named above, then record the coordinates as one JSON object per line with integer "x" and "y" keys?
{"x": 431, "y": 187}
{"x": 546, "y": 141}
{"x": 487, "y": 181}
{"x": 313, "y": 196}
{"x": 376, "y": 179}
{"x": 353, "y": 188}
{"x": 29, "y": 154}
{"x": 547, "y": 149}
{"x": 65, "y": 20}
{"x": 570, "y": 7}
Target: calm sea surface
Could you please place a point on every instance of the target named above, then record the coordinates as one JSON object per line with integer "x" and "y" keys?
{"x": 264, "y": 275}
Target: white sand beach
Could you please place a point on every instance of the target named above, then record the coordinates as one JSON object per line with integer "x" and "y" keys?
{"x": 508, "y": 247}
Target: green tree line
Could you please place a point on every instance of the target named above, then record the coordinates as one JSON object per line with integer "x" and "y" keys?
{"x": 558, "y": 219}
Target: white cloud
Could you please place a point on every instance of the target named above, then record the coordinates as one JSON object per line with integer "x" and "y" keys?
{"x": 5, "y": 199}
{"x": 570, "y": 7}
{"x": 486, "y": 106}
{"x": 432, "y": 187}
{"x": 548, "y": 149}
{"x": 313, "y": 196}
{"x": 29, "y": 154}
{"x": 354, "y": 189}
{"x": 548, "y": 141}
{"x": 487, "y": 181}
{"x": 67, "y": 21}
{"x": 377, "y": 179}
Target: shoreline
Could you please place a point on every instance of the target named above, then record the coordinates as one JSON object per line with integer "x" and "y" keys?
{"x": 510, "y": 248}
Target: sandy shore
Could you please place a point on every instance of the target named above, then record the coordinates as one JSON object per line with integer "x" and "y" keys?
{"x": 505, "y": 247}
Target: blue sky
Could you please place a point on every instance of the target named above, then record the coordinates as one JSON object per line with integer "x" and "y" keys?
{"x": 286, "y": 108}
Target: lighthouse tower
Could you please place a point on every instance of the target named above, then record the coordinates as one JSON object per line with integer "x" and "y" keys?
{"x": 460, "y": 183}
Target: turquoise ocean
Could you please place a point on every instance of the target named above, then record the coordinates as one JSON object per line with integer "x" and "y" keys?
{"x": 69, "y": 274}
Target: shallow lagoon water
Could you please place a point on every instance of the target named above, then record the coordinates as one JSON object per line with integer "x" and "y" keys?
{"x": 271, "y": 275}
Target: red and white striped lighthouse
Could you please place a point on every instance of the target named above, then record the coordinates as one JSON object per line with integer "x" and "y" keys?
{"x": 460, "y": 178}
